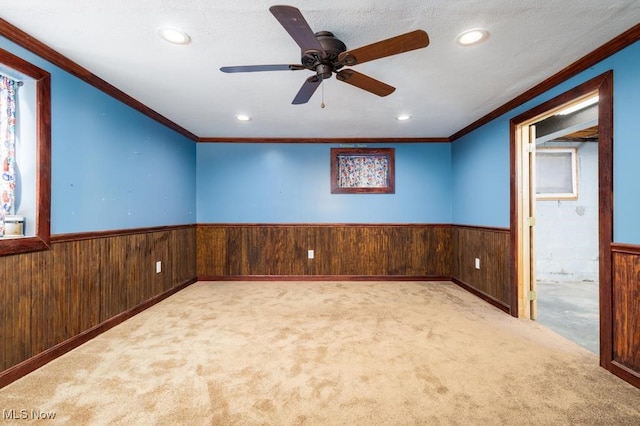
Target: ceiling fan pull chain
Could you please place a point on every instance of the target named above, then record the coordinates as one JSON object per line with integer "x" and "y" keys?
{"x": 322, "y": 86}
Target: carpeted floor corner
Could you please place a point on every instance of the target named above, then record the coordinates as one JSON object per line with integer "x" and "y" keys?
{"x": 325, "y": 353}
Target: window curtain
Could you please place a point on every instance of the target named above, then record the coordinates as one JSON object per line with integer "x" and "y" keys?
{"x": 7, "y": 148}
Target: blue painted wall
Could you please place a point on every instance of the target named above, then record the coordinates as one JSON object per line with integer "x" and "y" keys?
{"x": 480, "y": 182}
{"x": 290, "y": 183}
{"x": 112, "y": 166}
{"x": 480, "y": 160}
{"x": 626, "y": 145}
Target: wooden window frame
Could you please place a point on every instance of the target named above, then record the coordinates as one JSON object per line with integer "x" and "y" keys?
{"x": 42, "y": 235}
{"x": 571, "y": 174}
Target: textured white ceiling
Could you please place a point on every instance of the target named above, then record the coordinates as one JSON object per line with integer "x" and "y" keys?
{"x": 444, "y": 87}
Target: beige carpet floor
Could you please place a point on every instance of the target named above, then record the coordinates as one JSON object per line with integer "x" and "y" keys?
{"x": 324, "y": 353}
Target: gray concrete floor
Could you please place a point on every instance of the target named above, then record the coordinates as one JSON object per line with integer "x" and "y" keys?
{"x": 571, "y": 309}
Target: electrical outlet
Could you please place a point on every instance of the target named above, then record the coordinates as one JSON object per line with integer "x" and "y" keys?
{"x": 310, "y": 254}
{"x": 158, "y": 267}
{"x": 477, "y": 263}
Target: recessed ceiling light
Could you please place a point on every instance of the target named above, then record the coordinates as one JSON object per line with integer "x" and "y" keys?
{"x": 403, "y": 117}
{"x": 174, "y": 36}
{"x": 243, "y": 117}
{"x": 472, "y": 37}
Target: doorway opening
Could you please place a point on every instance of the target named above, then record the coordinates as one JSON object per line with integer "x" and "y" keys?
{"x": 550, "y": 160}
{"x": 565, "y": 233}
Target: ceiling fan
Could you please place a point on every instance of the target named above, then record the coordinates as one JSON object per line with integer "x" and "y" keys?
{"x": 324, "y": 54}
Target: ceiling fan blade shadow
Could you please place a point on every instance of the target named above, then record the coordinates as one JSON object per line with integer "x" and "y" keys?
{"x": 255, "y": 68}
{"x": 365, "y": 82}
{"x": 392, "y": 46}
{"x": 292, "y": 20}
{"x": 307, "y": 90}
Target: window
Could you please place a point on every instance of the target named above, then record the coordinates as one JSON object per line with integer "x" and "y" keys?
{"x": 32, "y": 156}
{"x": 556, "y": 174}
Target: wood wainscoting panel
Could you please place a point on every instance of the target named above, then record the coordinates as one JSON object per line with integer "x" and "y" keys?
{"x": 114, "y": 270}
{"x": 76, "y": 283}
{"x": 211, "y": 248}
{"x": 271, "y": 250}
{"x": 181, "y": 255}
{"x": 51, "y": 296}
{"x": 353, "y": 250}
{"x": 420, "y": 251}
{"x": 348, "y": 251}
{"x": 492, "y": 247}
{"x": 129, "y": 267}
{"x": 17, "y": 302}
{"x": 626, "y": 310}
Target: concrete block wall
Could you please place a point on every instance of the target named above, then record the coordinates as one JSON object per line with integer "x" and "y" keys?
{"x": 566, "y": 231}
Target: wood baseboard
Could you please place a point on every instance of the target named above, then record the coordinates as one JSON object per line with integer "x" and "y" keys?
{"x": 495, "y": 302}
{"x": 19, "y": 370}
{"x": 625, "y": 373}
{"x": 324, "y": 278}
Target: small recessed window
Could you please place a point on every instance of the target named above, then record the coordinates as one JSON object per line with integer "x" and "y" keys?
{"x": 556, "y": 174}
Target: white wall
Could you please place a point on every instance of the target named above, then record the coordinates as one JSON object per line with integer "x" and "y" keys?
{"x": 566, "y": 231}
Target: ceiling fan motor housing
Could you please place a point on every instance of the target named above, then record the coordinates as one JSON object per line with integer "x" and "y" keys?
{"x": 326, "y": 62}
{"x": 325, "y": 54}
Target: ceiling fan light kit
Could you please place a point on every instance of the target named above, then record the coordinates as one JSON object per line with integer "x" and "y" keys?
{"x": 324, "y": 54}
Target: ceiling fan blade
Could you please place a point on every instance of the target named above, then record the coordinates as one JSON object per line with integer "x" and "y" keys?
{"x": 392, "y": 46}
{"x": 307, "y": 90}
{"x": 254, "y": 68}
{"x": 365, "y": 82}
{"x": 292, "y": 20}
